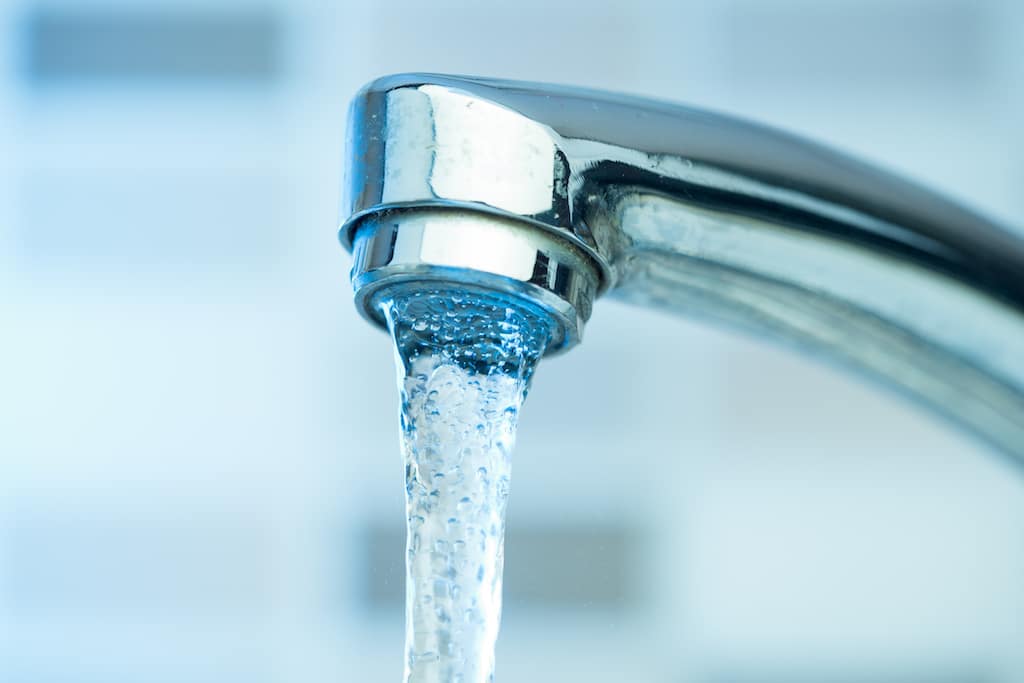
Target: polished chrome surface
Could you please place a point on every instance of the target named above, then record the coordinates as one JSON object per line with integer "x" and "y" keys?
{"x": 704, "y": 214}
{"x": 402, "y": 247}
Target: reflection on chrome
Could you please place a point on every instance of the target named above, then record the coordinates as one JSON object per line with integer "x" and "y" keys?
{"x": 561, "y": 195}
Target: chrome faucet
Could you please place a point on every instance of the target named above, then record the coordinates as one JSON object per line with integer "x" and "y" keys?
{"x": 561, "y": 195}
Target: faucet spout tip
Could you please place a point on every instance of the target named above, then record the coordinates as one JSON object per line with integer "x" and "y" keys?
{"x": 427, "y": 247}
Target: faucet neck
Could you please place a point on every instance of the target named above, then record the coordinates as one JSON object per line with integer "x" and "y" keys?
{"x": 701, "y": 213}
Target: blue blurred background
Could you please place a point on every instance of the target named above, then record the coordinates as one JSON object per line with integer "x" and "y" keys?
{"x": 199, "y": 475}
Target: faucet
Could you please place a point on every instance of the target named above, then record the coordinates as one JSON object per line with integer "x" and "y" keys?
{"x": 561, "y": 195}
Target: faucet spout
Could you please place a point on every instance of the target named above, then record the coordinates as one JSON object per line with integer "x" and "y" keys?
{"x": 560, "y": 195}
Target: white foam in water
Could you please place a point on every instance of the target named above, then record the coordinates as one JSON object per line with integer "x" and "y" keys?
{"x": 465, "y": 367}
{"x": 458, "y": 466}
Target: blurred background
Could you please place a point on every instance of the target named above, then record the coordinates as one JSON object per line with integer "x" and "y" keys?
{"x": 199, "y": 473}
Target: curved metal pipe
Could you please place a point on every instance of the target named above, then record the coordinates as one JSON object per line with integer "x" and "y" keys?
{"x": 700, "y": 213}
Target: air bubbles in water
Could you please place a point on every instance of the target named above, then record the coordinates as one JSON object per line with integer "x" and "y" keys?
{"x": 465, "y": 359}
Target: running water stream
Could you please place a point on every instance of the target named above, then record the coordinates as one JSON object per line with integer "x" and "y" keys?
{"x": 465, "y": 359}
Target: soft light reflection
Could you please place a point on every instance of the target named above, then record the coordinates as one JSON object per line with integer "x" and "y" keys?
{"x": 517, "y": 149}
{"x": 464, "y": 244}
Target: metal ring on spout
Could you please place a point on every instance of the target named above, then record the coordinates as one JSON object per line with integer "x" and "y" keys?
{"x": 415, "y": 247}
